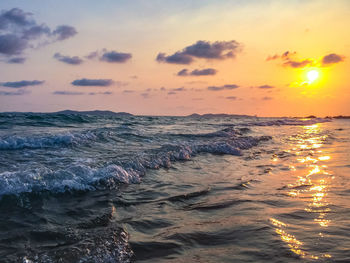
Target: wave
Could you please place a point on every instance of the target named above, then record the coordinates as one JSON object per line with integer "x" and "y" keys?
{"x": 83, "y": 177}
{"x": 289, "y": 121}
{"x": 36, "y": 142}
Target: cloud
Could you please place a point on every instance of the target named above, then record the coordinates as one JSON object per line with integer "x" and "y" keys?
{"x": 68, "y": 60}
{"x": 224, "y": 87}
{"x": 288, "y": 60}
{"x": 14, "y": 93}
{"x": 92, "y": 55}
{"x": 265, "y": 87}
{"x": 183, "y": 72}
{"x": 177, "y": 58}
{"x": 298, "y": 64}
{"x": 231, "y": 98}
{"x": 179, "y": 89}
{"x": 145, "y": 95}
{"x": 286, "y": 55}
{"x": 128, "y": 91}
{"x": 202, "y": 49}
{"x": 16, "y": 60}
{"x": 197, "y": 72}
{"x": 19, "y": 31}
{"x": 171, "y": 93}
{"x": 63, "y": 32}
{"x": 101, "y": 93}
{"x": 332, "y": 59}
{"x": 22, "y": 83}
{"x": 63, "y": 92}
{"x": 110, "y": 56}
{"x": 267, "y": 98}
{"x": 163, "y": 89}
{"x": 11, "y": 44}
{"x": 15, "y": 16}
{"x": 115, "y": 57}
{"x": 92, "y": 82}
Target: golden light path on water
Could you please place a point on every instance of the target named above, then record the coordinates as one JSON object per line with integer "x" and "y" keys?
{"x": 312, "y": 185}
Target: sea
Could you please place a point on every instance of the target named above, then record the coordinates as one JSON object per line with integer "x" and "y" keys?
{"x": 87, "y": 188}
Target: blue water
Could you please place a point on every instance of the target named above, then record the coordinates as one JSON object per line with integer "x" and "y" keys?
{"x": 83, "y": 188}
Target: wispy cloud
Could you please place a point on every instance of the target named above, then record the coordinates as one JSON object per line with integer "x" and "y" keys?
{"x": 289, "y": 60}
{"x": 224, "y": 87}
{"x": 64, "y": 92}
{"x": 14, "y": 93}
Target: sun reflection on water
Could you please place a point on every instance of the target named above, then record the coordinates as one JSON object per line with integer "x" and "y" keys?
{"x": 312, "y": 185}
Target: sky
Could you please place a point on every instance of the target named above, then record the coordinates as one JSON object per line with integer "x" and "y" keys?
{"x": 161, "y": 57}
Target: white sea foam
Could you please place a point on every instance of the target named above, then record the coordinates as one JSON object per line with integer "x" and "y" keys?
{"x": 83, "y": 177}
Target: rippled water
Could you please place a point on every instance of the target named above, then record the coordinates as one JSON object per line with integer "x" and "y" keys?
{"x": 80, "y": 188}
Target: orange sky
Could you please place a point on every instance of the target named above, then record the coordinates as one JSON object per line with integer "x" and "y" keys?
{"x": 315, "y": 34}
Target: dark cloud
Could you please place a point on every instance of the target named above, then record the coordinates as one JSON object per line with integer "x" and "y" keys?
{"x": 298, "y": 64}
{"x": 134, "y": 77}
{"x": 115, "y": 57}
{"x": 92, "y": 82}
{"x": 177, "y": 58}
{"x": 22, "y": 83}
{"x": 224, "y": 87}
{"x": 163, "y": 89}
{"x": 63, "y": 92}
{"x": 183, "y": 72}
{"x": 16, "y": 60}
{"x": 202, "y": 49}
{"x": 19, "y": 32}
{"x": 13, "y": 93}
{"x": 171, "y": 93}
{"x": 11, "y": 44}
{"x": 332, "y": 59}
{"x": 68, "y": 60}
{"x": 197, "y": 72}
{"x": 36, "y": 32}
{"x": 203, "y": 72}
{"x": 265, "y": 87}
{"x": 63, "y": 32}
{"x": 15, "y": 16}
{"x": 231, "y": 98}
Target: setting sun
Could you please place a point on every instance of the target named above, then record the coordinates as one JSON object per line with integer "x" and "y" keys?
{"x": 313, "y": 75}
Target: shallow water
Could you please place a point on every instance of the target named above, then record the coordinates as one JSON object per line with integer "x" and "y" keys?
{"x": 173, "y": 189}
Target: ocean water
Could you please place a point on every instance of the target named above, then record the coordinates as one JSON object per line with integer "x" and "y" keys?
{"x": 81, "y": 188}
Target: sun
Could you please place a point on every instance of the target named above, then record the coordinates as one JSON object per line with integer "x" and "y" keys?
{"x": 312, "y": 75}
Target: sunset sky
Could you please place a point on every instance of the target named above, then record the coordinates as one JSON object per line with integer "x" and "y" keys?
{"x": 160, "y": 57}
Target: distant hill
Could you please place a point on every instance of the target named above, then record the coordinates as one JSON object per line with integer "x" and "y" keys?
{"x": 218, "y": 115}
{"x": 96, "y": 113}
{"x": 341, "y": 117}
